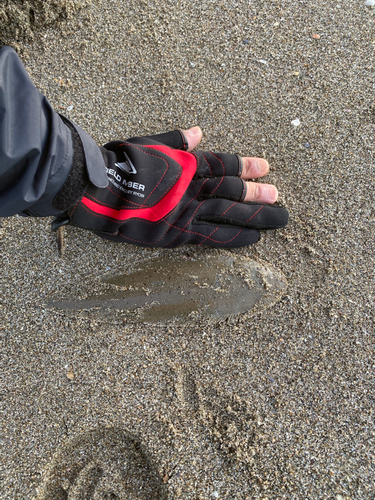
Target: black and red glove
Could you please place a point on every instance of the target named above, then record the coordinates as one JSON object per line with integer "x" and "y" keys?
{"x": 160, "y": 195}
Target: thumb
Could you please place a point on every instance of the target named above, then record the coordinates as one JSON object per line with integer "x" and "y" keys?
{"x": 193, "y": 137}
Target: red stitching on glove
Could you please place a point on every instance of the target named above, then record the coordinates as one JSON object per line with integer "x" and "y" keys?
{"x": 208, "y": 163}
{"x": 224, "y": 171}
{"x": 185, "y": 231}
{"x": 209, "y": 236}
{"x": 225, "y": 211}
{"x": 182, "y": 230}
{"x": 257, "y": 212}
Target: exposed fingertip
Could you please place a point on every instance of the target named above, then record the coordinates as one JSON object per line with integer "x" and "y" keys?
{"x": 193, "y": 136}
{"x": 263, "y": 167}
{"x": 271, "y": 193}
{"x": 262, "y": 193}
{"x": 195, "y": 130}
{"x": 254, "y": 167}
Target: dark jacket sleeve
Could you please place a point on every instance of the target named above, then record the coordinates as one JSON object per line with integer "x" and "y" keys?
{"x": 38, "y": 148}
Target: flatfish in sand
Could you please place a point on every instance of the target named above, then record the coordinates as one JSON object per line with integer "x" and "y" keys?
{"x": 176, "y": 286}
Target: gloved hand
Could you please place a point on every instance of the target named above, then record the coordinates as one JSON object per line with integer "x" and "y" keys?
{"x": 160, "y": 195}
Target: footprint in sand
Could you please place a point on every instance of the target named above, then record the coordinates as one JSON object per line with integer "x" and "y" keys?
{"x": 229, "y": 420}
{"x": 101, "y": 464}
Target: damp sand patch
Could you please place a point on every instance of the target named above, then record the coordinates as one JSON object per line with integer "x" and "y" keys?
{"x": 176, "y": 287}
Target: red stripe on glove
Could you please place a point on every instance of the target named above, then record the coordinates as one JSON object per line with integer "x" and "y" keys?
{"x": 188, "y": 163}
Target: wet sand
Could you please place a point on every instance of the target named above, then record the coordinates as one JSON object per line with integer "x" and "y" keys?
{"x": 276, "y": 404}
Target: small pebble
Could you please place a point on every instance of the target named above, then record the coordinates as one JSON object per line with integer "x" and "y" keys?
{"x": 307, "y": 145}
{"x": 70, "y": 375}
{"x": 316, "y": 36}
{"x": 296, "y": 123}
{"x": 69, "y": 108}
{"x": 370, "y": 3}
{"x": 263, "y": 61}
{"x": 215, "y": 494}
{"x": 65, "y": 484}
{"x": 246, "y": 42}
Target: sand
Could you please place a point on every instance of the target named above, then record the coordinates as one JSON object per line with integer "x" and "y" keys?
{"x": 270, "y": 405}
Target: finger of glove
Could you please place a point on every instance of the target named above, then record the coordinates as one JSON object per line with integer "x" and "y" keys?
{"x": 223, "y": 237}
{"x": 218, "y": 164}
{"x": 250, "y": 215}
{"x": 229, "y": 188}
{"x": 174, "y": 139}
{"x": 200, "y": 234}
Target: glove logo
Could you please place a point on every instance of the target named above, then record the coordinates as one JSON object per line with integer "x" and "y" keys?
{"x": 127, "y": 166}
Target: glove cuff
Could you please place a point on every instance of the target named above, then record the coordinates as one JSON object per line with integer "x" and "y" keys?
{"x": 77, "y": 180}
{"x": 88, "y": 167}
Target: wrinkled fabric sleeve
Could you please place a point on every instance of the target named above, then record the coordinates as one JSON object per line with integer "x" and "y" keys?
{"x": 36, "y": 146}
